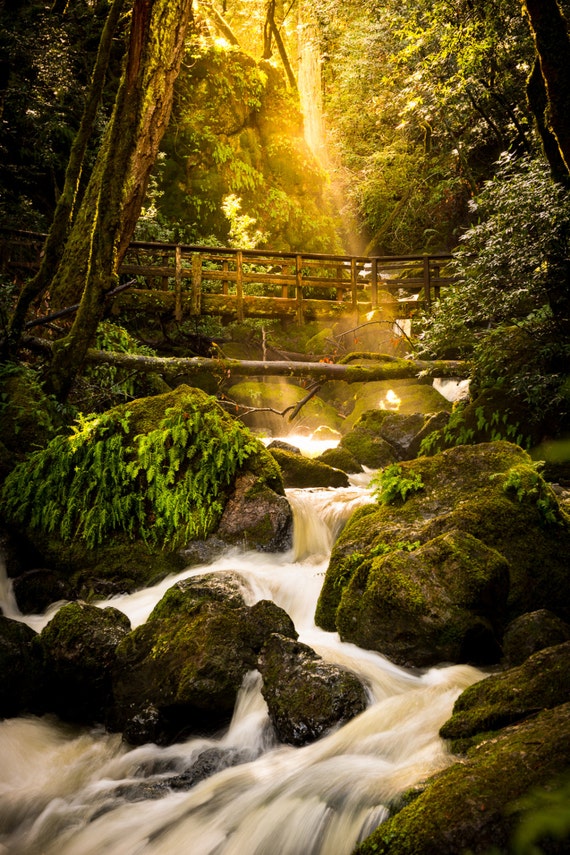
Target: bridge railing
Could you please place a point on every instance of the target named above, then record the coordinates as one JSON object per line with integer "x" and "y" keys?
{"x": 191, "y": 280}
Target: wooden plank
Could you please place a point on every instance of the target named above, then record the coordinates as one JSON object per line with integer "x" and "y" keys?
{"x": 239, "y": 285}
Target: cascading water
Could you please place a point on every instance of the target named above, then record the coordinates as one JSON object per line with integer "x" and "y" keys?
{"x": 71, "y": 791}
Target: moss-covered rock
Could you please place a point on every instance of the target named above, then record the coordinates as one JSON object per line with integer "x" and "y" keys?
{"x": 112, "y": 505}
{"x": 381, "y": 437}
{"x": 445, "y": 600}
{"x": 494, "y": 505}
{"x": 77, "y": 652}
{"x": 341, "y": 458}
{"x": 305, "y": 695}
{"x": 475, "y": 806}
{"x": 299, "y": 471}
{"x": 519, "y": 693}
{"x": 237, "y": 132}
{"x": 180, "y": 672}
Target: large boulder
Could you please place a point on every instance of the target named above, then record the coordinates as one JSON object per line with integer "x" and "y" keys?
{"x": 180, "y": 672}
{"x": 282, "y": 397}
{"x": 507, "y": 698}
{"x": 113, "y": 506}
{"x": 305, "y": 695}
{"x": 457, "y": 546}
{"x": 77, "y": 652}
{"x": 446, "y": 602}
{"x": 476, "y": 805}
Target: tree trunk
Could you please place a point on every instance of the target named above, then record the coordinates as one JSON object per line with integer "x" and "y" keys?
{"x": 108, "y": 214}
{"x": 63, "y": 216}
{"x": 550, "y": 32}
{"x": 538, "y": 102}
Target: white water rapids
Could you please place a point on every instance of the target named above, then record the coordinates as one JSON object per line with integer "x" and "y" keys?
{"x": 71, "y": 791}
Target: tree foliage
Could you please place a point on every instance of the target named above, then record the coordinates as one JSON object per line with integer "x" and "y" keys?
{"x": 513, "y": 275}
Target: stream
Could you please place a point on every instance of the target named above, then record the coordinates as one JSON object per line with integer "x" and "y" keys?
{"x": 74, "y": 791}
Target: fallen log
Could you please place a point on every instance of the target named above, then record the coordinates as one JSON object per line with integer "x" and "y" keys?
{"x": 384, "y": 368}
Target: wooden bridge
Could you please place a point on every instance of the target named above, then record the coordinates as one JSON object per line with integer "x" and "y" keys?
{"x": 182, "y": 281}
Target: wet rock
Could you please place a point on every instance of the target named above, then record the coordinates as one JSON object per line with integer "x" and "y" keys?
{"x": 486, "y": 525}
{"x": 256, "y": 517}
{"x": 187, "y": 662}
{"x": 381, "y": 437}
{"x": 506, "y": 698}
{"x": 20, "y": 668}
{"x": 77, "y": 649}
{"x": 531, "y": 632}
{"x": 299, "y": 471}
{"x": 476, "y": 805}
{"x": 306, "y": 696}
{"x": 283, "y": 446}
{"x": 35, "y": 590}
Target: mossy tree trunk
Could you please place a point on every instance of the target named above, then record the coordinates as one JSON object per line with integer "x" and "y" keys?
{"x": 110, "y": 208}
{"x": 66, "y": 205}
{"x": 552, "y": 40}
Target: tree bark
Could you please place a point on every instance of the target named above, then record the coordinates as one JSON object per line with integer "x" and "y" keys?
{"x": 552, "y": 40}
{"x": 108, "y": 214}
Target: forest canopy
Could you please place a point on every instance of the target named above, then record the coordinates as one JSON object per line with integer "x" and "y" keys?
{"x": 367, "y": 127}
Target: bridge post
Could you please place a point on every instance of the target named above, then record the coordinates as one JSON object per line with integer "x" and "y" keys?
{"x": 178, "y": 283}
{"x": 239, "y": 284}
{"x": 353, "y": 287}
{"x": 374, "y": 283}
{"x": 196, "y": 283}
{"x": 427, "y": 283}
{"x": 299, "y": 289}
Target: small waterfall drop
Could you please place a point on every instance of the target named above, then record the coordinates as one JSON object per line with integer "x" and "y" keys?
{"x": 77, "y": 791}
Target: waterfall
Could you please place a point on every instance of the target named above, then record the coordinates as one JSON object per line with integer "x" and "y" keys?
{"x": 75, "y": 791}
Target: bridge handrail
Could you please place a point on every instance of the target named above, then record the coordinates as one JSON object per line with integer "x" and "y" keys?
{"x": 346, "y": 275}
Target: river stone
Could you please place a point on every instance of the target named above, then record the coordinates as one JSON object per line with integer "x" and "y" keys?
{"x": 305, "y": 695}
{"x": 502, "y": 699}
{"x": 77, "y": 648}
{"x": 299, "y": 471}
{"x": 476, "y": 805}
{"x": 492, "y": 502}
{"x": 531, "y": 632}
{"x": 181, "y": 671}
{"x": 19, "y": 667}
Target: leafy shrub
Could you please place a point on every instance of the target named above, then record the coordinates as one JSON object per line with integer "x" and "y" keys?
{"x": 390, "y": 485}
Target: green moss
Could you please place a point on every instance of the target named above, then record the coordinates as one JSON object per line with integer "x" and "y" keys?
{"x": 150, "y": 471}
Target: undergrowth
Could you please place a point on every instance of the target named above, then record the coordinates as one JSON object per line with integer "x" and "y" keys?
{"x": 164, "y": 487}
